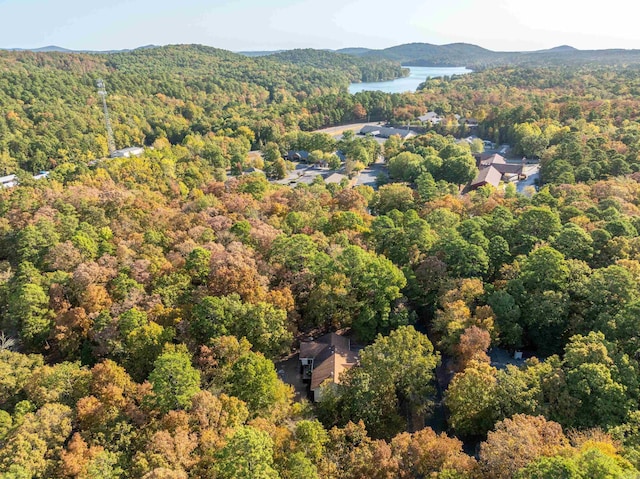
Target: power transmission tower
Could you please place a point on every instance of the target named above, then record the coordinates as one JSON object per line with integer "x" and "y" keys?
{"x": 103, "y": 93}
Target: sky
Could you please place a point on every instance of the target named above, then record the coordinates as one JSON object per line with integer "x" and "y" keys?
{"x": 240, "y": 25}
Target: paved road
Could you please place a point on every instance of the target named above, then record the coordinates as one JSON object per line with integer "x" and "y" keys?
{"x": 368, "y": 175}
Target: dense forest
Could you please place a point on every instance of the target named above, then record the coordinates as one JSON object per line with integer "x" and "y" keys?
{"x": 581, "y": 122}
{"x": 145, "y": 301}
{"x": 52, "y": 113}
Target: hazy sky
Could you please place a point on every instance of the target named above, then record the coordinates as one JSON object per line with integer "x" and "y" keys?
{"x": 279, "y": 24}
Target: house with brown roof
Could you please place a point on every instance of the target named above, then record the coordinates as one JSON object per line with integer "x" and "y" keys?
{"x": 488, "y": 175}
{"x": 325, "y": 359}
{"x": 493, "y": 169}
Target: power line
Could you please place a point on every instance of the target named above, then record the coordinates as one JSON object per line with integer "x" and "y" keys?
{"x": 102, "y": 91}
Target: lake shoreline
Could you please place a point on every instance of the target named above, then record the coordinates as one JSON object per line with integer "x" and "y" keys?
{"x": 409, "y": 83}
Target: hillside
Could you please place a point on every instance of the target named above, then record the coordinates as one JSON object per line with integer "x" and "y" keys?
{"x": 53, "y": 114}
{"x": 358, "y": 69}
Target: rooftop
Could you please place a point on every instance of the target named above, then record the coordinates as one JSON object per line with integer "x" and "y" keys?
{"x": 488, "y": 175}
{"x": 385, "y": 132}
{"x": 332, "y": 355}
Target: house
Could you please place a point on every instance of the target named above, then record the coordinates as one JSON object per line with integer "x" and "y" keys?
{"x": 430, "y": 117}
{"x": 493, "y": 169}
{"x": 42, "y": 175}
{"x": 325, "y": 359}
{"x": 470, "y": 122}
{"x": 386, "y": 132}
{"x": 8, "y": 181}
{"x": 297, "y": 155}
{"x": 486, "y": 176}
{"x": 495, "y": 159}
{"x": 128, "y": 152}
{"x": 500, "y": 164}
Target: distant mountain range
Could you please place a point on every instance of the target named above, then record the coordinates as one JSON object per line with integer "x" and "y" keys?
{"x": 57, "y": 49}
{"x": 453, "y": 54}
{"x": 465, "y": 54}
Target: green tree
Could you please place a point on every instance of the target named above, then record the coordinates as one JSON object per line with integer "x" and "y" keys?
{"x": 459, "y": 170}
{"x": 405, "y": 360}
{"x": 29, "y": 307}
{"x": 574, "y": 242}
{"x": 498, "y": 252}
{"x": 471, "y": 399}
{"x": 545, "y": 269}
{"x": 311, "y": 439}
{"x": 597, "y": 382}
{"x": 248, "y": 454}
{"x": 264, "y": 325}
{"x": 535, "y": 224}
{"x": 463, "y": 259}
{"x": 271, "y": 153}
{"x": 198, "y": 264}
{"x": 392, "y": 146}
{"x": 393, "y": 197}
{"x": 253, "y": 379}
{"x": 426, "y": 187}
{"x": 405, "y": 166}
{"x": 174, "y": 380}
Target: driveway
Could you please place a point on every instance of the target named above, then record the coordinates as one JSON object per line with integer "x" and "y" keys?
{"x": 533, "y": 175}
{"x": 368, "y": 176}
{"x": 289, "y": 372}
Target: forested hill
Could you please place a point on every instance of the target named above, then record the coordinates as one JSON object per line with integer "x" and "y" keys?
{"x": 358, "y": 69}
{"x": 52, "y": 114}
{"x": 464, "y": 54}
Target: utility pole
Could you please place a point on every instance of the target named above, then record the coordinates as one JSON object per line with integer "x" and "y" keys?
{"x": 111, "y": 144}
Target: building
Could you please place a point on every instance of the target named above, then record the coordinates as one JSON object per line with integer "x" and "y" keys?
{"x": 128, "y": 152}
{"x": 42, "y": 175}
{"x": 9, "y": 181}
{"x": 493, "y": 169}
{"x": 325, "y": 359}
{"x": 386, "y": 132}
{"x": 486, "y": 176}
{"x": 297, "y": 155}
{"x": 470, "y": 122}
{"x": 494, "y": 159}
{"x": 430, "y": 117}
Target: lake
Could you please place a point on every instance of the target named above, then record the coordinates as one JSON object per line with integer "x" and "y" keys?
{"x": 416, "y": 76}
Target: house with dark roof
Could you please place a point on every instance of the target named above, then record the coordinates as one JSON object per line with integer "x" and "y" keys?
{"x": 488, "y": 175}
{"x": 494, "y": 159}
{"x": 297, "y": 155}
{"x": 493, "y": 169}
{"x": 386, "y": 132}
{"x": 470, "y": 122}
{"x": 324, "y": 360}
